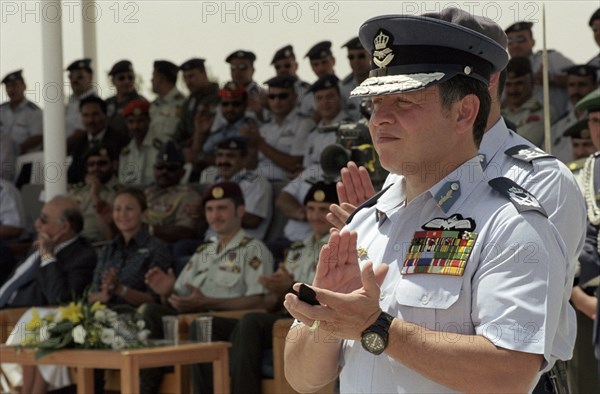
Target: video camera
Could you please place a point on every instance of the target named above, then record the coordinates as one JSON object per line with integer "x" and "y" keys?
{"x": 353, "y": 144}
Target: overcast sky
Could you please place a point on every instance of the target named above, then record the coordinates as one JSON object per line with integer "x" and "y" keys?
{"x": 143, "y": 31}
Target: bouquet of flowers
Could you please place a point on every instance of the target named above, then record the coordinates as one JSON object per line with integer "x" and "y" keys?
{"x": 83, "y": 326}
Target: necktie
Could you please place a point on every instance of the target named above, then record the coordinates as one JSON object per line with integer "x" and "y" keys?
{"x": 24, "y": 277}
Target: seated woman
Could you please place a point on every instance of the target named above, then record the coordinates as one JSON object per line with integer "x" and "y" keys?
{"x": 119, "y": 275}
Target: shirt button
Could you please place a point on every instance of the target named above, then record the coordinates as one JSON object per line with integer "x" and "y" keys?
{"x": 424, "y": 299}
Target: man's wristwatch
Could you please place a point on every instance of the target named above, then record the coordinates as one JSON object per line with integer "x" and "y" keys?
{"x": 375, "y": 338}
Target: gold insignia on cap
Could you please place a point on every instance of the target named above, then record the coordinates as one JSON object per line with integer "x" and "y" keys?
{"x": 218, "y": 192}
{"x": 319, "y": 195}
{"x": 103, "y": 152}
{"x": 585, "y": 133}
{"x": 382, "y": 55}
{"x": 137, "y": 111}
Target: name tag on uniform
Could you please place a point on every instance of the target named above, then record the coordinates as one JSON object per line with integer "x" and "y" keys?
{"x": 439, "y": 252}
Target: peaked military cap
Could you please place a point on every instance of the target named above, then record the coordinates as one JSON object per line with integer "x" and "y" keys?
{"x": 519, "y": 26}
{"x": 286, "y": 51}
{"x": 121, "y": 67}
{"x": 410, "y": 52}
{"x": 578, "y": 130}
{"x": 319, "y": 50}
{"x": 101, "y": 149}
{"x": 166, "y": 68}
{"x": 232, "y": 90}
{"x": 325, "y": 82}
{"x": 353, "y": 44}
{"x": 13, "y": 76}
{"x": 170, "y": 152}
{"x": 222, "y": 190}
{"x": 192, "y": 63}
{"x": 281, "y": 81}
{"x": 136, "y": 107}
{"x": 82, "y": 64}
{"x": 241, "y": 54}
{"x": 582, "y": 70}
{"x": 591, "y": 102}
{"x": 518, "y": 67}
{"x": 322, "y": 192}
{"x": 234, "y": 143}
{"x": 595, "y": 15}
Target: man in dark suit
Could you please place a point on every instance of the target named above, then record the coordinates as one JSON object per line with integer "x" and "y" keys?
{"x": 93, "y": 114}
{"x": 61, "y": 267}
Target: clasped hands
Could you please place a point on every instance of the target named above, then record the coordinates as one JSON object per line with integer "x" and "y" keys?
{"x": 349, "y": 296}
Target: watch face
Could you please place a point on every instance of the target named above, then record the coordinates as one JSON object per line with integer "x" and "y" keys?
{"x": 373, "y": 342}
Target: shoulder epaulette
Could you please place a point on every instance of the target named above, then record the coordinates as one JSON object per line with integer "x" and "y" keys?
{"x": 118, "y": 187}
{"x": 296, "y": 245}
{"x": 535, "y": 106}
{"x": 245, "y": 241}
{"x": 367, "y": 204}
{"x": 203, "y": 246}
{"x": 76, "y": 186}
{"x": 125, "y": 150}
{"x": 526, "y": 153}
{"x": 521, "y": 198}
{"x": 304, "y": 84}
{"x": 179, "y": 96}
{"x": 250, "y": 176}
{"x": 577, "y": 164}
{"x": 157, "y": 143}
{"x": 348, "y": 78}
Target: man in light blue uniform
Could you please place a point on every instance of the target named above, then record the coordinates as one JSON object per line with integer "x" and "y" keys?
{"x": 476, "y": 292}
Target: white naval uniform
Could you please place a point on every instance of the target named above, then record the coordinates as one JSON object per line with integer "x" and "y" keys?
{"x": 233, "y": 272}
{"x": 11, "y": 207}
{"x": 316, "y": 141}
{"x": 291, "y": 132}
{"x": 514, "y": 290}
{"x": 24, "y": 122}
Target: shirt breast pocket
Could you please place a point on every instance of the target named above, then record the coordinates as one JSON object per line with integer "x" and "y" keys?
{"x": 431, "y": 300}
{"x": 227, "y": 279}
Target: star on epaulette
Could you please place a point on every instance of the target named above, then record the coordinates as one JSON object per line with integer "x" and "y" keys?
{"x": 296, "y": 245}
{"x": 245, "y": 241}
{"x": 362, "y": 252}
{"x": 125, "y": 151}
{"x": 577, "y": 164}
{"x": 157, "y": 143}
{"x": 255, "y": 262}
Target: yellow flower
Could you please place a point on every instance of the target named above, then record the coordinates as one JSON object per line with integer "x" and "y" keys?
{"x": 35, "y": 322}
{"x": 71, "y": 312}
{"x": 98, "y": 306}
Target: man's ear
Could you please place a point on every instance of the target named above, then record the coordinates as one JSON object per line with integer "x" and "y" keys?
{"x": 467, "y": 110}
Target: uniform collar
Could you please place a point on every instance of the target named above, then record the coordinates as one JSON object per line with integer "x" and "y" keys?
{"x": 169, "y": 96}
{"x": 234, "y": 243}
{"x": 342, "y": 115}
{"x": 493, "y": 140}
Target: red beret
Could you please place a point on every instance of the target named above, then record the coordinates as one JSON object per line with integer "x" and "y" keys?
{"x": 136, "y": 107}
{"x": 232, "y": 90}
